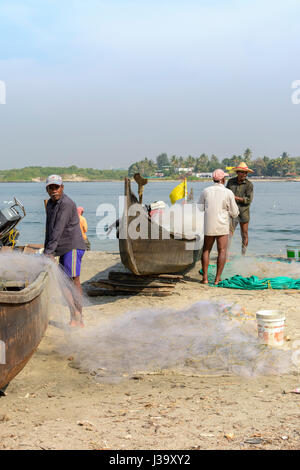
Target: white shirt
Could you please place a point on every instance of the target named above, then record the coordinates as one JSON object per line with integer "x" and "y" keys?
{"x": 219, "y": 205}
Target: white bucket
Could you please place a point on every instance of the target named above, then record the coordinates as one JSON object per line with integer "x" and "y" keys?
{"x": 270, "y": 326}
{"x": 293, "y": 252}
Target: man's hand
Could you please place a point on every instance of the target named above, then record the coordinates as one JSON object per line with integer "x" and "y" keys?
{"x": 239, "y": 199}
{"x": 51, "y": 257}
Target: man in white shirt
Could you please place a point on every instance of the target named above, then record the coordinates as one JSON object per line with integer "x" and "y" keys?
{"x": 219, "y": 205}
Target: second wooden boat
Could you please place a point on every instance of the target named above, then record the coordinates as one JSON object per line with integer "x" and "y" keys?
{"x": 149, "y": 255}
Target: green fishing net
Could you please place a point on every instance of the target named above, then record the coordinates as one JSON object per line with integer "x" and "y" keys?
{"x": 252, "y": 282}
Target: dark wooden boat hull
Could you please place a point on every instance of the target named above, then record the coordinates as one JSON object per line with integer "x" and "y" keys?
{"x": 163, "y": 255}
{"x": 23, "y": 322}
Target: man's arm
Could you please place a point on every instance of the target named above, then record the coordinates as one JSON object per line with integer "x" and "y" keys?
{"x": 84, "y": 224}
{"x": 61, "y": 221}
{"x": 247, "y": 199}
{"x": 233, "y": 207}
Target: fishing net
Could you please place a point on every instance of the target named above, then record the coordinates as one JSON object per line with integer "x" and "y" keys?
{"x": 207, "y": 338}
{"x": 258, "y": 274}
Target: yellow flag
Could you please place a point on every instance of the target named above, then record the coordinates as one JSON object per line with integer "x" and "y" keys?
{"x": 230, "y": 169}
{"x": 179, "y": 192}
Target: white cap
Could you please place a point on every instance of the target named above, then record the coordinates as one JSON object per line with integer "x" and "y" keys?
{"x": 54, "y": 179}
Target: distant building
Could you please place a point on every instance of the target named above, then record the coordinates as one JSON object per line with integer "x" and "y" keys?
{"x": 203, "y": 175}
{"x": 184, "y": 170}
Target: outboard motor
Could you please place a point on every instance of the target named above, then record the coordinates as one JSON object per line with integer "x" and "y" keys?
{"x": 9, "y": 217}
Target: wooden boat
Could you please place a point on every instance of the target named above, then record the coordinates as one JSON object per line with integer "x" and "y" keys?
{"x": 144, "y": 256}
{"x": 23, "y": 322}
{"x": 30, "y": 248}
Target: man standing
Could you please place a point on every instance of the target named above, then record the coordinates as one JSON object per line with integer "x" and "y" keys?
{"x": 83, "y": 227}
{"x": 219, "y": 206}
{"x": 242, "y": 189}
{"x": 64, "y": 239}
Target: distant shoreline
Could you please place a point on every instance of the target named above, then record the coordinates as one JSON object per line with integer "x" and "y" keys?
{"x": 160, "y": 180}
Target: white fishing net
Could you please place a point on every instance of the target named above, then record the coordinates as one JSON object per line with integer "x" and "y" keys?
{"x": 25, "y": 268}
{"x": 247, "y": 266}
{"x": 208, "y": 338}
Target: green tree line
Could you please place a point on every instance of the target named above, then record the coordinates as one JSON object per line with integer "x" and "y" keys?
{"x": 284, "y": 165}
{"x": 33, "y": 172}
{"x": 281, "y": 166}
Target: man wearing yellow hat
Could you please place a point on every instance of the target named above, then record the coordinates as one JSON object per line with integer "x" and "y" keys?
{"x": 242, "y": 189}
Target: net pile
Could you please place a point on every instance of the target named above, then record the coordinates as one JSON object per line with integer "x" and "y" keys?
{"x": 207, "y": 338}
{"x": 25, "y": 268}
{"x": 258, "y": 274}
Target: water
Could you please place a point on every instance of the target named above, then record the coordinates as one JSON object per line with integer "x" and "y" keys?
{"x": 274, "y": 211}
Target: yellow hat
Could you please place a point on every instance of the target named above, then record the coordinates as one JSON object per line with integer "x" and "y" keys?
{"x": 242, "y": 167}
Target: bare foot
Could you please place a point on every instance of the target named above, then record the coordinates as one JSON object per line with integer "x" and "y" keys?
{"x": 204, "y": 281}
{"x": 76, "y": 320}
{"x": 76, "y": 323}
{"x": 217, "y": 281}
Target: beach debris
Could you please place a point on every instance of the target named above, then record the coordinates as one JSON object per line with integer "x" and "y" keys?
{"x": 74, "y": 365}
{"x": 4, "y": 418}
{"x": 229, "y": 436}
{"x": 284, "y": 438}
{"x": 87, "y": 425}
{"x": 296, "y": 390}
{"x": 254, "y": 440}
{"x": 203, "y": 434}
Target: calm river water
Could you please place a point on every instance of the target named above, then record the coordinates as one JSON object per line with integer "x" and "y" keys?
{"x": 275, "y": 211}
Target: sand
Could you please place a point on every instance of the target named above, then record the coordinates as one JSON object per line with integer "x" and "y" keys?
{"x": 55, "y": 404}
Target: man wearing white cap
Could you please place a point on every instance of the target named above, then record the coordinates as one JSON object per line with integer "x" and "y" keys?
{"x": 64, "y": 239}
{"x": 219, "y": 205}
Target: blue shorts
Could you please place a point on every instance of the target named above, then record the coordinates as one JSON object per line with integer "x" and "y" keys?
{"x": 70, "y": 262}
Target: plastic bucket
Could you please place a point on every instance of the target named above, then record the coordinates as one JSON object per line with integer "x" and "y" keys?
{"x": 293, "y": 252}
{"x": 270, "y": 326}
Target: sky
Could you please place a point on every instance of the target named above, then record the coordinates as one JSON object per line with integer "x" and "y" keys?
{"x": 103, "y": 84}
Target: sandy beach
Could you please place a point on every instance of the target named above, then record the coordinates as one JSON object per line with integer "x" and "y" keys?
{"x": 54, "y": 403}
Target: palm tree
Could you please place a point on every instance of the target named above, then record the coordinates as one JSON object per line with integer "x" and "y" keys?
{"x": 247, "y": 155}
{"x": 181, "y": 162}
{"x": 284, "y": 156}
{"x": 202, "y": 163}
{"x": 190, "y": 161}
{"x": 174, "y": 161}
{"x": 214, "y": 163}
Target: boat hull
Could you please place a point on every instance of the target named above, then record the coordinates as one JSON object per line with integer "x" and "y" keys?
{"x": 159, "y": 254}
{"x": 23, "y": 322}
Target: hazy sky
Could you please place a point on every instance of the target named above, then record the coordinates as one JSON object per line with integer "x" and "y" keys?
{"x": 105, "y": 83}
